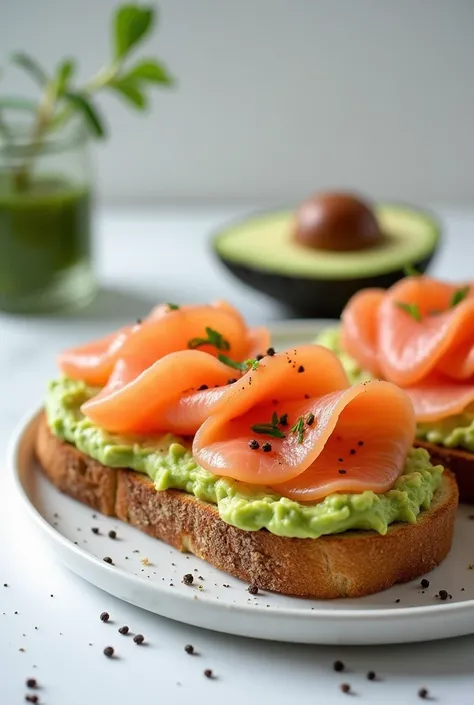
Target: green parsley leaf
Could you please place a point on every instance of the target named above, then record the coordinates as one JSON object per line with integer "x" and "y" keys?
{"x": 458, "y": 296}
{"x": 275, "y": 419}
{"x": 411, "y": 309}
{"x": 173, "y": 307}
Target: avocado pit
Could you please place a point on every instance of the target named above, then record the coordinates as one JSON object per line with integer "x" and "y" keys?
{"x": 338, "y": 222}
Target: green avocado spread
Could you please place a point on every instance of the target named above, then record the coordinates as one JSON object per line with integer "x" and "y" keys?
{"x": 452, "y": 432}
{"x": 169, "y": 463}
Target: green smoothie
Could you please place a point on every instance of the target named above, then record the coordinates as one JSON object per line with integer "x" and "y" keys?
{"x": 45, "y": 237}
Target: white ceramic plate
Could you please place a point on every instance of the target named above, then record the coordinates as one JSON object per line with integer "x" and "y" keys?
{"x": 149, "y": 573}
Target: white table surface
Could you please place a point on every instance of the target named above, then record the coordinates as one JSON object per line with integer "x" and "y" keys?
{"x": 145, "y": 256}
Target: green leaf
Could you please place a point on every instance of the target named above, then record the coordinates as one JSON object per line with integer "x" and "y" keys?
{"x": 131, "y": 91}
{"x": 131, "y": 24}
{"x": 459, "y": 295}
{"x": 84, "y": 105}
{"x": 31, "y": 66}
{"x": 410, "y": 271}
{"x": 64, "y": 73}
{"x": 299, "y": 429}
{"x": 267, "y": 429}
{"x": 151, "y": 71}
{"x": 17, "y": 103}
{"x": 411, "y": 309}
{"x": 241, "y": 366}
{"x": 173, "y": 307}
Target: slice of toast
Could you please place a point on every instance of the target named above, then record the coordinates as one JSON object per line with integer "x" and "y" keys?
{"x": 351, "y": 564}
{"x": 459, "y": 461}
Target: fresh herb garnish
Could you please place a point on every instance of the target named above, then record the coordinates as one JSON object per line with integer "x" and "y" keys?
{"x": 411, "y": 309}
{"x": 458, "y": 296}
{"x": 269, "y": 429}
{"x": 242, "y": 366}
{"x": 298, "y": 428}
{"x": 410, "y": 271}
{"x": 253, "y": 363}
{"x": 173, "y": 307}
{"x": 214, "y": 338}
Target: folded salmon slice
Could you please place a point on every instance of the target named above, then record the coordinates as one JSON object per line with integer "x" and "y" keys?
{"x": 417, "y": 336}
{"x": 176, "y": 394}
{"x": 359, "y": 330}
{"x": 164, "y": 331}
{"x": 336, "y": 439}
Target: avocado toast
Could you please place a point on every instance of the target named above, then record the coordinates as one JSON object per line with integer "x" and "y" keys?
{"x": 418, "y": 334}
{"x": 277, "y": 475}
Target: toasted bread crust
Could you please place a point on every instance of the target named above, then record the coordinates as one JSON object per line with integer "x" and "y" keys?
{"x": 459, "y": 461}
{"x": 346, "y": 565}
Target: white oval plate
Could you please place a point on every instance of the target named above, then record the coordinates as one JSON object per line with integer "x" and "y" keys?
{"x": 148, "y": 573}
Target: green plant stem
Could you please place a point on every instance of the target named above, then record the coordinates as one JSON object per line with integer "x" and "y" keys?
{"x": 46, "y": 120}
{"x": 22, "y": 175}
{"x": 100, "y": 80}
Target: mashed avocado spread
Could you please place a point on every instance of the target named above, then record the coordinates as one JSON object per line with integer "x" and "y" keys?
{"x": 168, "y": 462}
{"x": 453, "y": 432}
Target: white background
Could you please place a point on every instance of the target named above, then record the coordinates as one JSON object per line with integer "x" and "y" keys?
{"x": 276, "y": 98}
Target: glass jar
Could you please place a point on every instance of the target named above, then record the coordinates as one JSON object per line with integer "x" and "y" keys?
{"x": 45, "y": 220}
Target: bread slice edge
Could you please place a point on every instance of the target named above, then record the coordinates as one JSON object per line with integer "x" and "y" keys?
{"x": 351, "y": 564}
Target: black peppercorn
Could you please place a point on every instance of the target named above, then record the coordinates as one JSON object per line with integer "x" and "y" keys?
{"x": 104, "y": 617}
{"x": 188, "y": 579}
{"x": 138, "y": 638}
{"x": 109, "y": 651}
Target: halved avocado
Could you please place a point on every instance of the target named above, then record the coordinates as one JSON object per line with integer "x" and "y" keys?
{"x": 262, "y": 252}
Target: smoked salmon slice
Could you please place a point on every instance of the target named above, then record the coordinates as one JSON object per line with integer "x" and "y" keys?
{"x": 419, "y": 335}
{"x": 294, "y": 425}
{"x": 176, "y": 394}
{"x": 167, "y": 329}
{"x": 359, "y": 328}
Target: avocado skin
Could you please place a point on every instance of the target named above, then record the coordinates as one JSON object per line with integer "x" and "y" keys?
{"x": 315, "y": 298}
